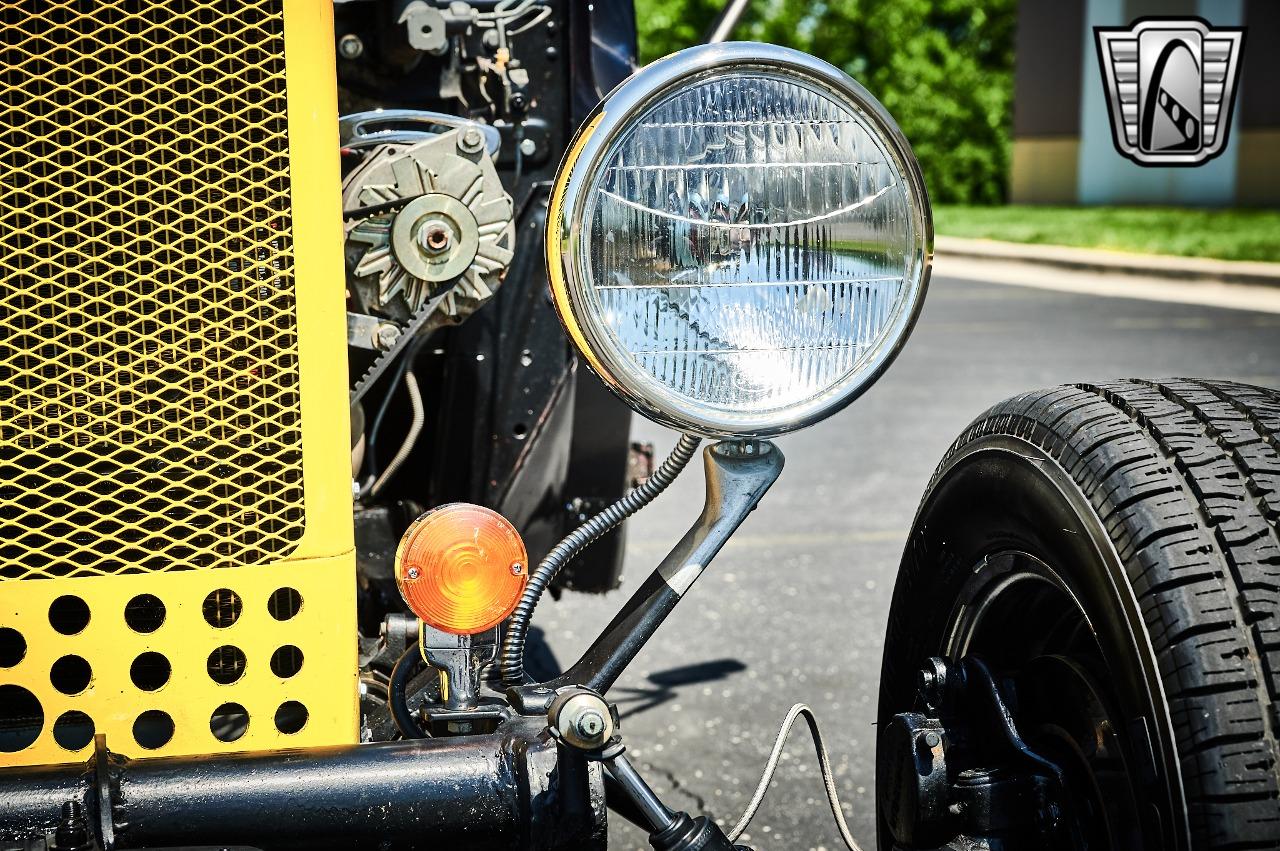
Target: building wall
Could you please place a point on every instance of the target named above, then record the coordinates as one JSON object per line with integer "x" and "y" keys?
{"x": 1258, "y": 145}
{"x": 1046, "y": 94}
{"x": 1062, "y": 149}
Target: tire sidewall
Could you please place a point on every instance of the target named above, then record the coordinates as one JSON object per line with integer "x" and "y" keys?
{"x": 1001, "y": 493}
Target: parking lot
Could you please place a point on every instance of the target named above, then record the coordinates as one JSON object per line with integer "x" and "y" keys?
{"x": 794, "y": 608}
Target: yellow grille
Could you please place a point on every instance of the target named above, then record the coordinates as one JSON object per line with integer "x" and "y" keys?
{"x": 172, "y": 376}
{"x": 149, "y": 383}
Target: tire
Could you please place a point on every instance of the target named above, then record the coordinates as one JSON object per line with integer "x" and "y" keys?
{"x": 1148, "y": 511}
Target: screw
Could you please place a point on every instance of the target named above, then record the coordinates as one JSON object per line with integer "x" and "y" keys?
{"x": 350, "y": 46}
{"x": 413, "y": 573}
{"x": 73, "y": 831}
{"x": 931, "y": 739}
{"x": 472, "y": 139}
{"x": 516, "y": 567}
{"x": 528, "y": 147}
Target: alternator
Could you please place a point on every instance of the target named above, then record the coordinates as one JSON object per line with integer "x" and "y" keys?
{"x": 426, "y": 213}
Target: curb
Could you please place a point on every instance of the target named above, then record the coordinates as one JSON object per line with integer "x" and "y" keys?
{"x": 1112, "y": 262}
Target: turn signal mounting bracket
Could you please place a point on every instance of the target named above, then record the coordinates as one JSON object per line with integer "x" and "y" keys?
{"x": 459, "y": 659}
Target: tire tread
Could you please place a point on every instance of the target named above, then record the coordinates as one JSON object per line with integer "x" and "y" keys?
{"x": 1185, "y": 476}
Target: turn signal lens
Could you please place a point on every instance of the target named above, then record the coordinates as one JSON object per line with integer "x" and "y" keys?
{"x": 461, "y": 568}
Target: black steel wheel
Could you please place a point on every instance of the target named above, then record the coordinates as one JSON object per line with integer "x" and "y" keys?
{"x": 1113, "y": 552}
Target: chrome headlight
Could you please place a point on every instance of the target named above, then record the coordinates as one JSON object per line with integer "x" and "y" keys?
{"x": 739, "y": 240}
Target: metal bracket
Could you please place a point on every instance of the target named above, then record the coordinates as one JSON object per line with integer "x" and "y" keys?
{"x": 407, "y": 127}
{"x": 370, "y": 332}
{"x": 458, "y": 658}
{"x": 738, "y": 475}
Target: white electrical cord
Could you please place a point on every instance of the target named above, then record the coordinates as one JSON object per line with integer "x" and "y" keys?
{"x": 824, "y": 763}
{"x": 415, "y": 428}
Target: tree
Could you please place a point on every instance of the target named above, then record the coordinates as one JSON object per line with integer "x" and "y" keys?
{"x": 943, "y": 69}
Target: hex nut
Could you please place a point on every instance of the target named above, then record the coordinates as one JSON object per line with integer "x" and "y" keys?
{"x": 584, "y": 721}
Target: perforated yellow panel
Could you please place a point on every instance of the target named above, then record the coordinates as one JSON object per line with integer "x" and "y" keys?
{"x": 173, "y": 416}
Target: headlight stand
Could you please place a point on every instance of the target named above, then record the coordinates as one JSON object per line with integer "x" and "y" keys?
{"x": 738, "y": 474}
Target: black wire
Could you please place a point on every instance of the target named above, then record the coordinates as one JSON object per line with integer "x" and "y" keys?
{"x": 519, "y": 156}
{"x": 405, "y": 670}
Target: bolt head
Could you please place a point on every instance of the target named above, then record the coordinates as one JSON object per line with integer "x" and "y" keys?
{"x": 350, "y": 46}
{"x": 931, "y": 681}
{"x": 528, "y": 147}
{"x": 413, "y": 573}
{"x": 472, "y": 139}
{"x": 387, "y": 336}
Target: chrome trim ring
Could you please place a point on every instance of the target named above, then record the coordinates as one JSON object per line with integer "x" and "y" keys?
{"x": 611, "y": 118}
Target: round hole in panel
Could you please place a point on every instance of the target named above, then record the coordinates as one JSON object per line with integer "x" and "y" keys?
{"x": 284, "y": 603}
{"x": 73, "y": 730}
{"x": 291, "y": 717}
{"x": 150, "y": 670}
{"x": 286, "y": 661}
{"x": 153, "y": 729}
{"x": 229, "y": 722}
{"x": 144, "y": 613}
{"x": 226, "y": 664}
{"x": 71, "y": 674}
{"x": 222, "y": 608}
{"x": 69, "y": 614}
{"x": 13, "y": 647}
{"x": 21, "y": 718}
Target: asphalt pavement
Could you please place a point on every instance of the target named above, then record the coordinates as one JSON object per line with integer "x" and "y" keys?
{"x": 794, "y": 608}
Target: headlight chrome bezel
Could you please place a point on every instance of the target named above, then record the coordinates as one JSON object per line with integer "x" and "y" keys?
{"x": 612, "y": 118}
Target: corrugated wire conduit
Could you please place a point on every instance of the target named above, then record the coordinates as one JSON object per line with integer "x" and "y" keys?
{"x": 512, "y": 660}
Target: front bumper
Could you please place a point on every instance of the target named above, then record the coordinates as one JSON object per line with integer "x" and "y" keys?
{"x": 515, "y": 788}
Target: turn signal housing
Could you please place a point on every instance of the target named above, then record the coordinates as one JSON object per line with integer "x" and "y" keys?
{"x": 461, "y": 568}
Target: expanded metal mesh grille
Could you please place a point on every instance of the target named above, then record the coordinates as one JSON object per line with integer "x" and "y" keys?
{"x": 149, "y": 408}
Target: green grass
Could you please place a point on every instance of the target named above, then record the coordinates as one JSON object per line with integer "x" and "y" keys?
{"x": 1224, "y": 234}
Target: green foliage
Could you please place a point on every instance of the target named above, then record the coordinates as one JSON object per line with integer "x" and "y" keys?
{"x": 669, "y": 25}
{"x": 943, "y": 69}
{"x": 1224, "y": 234}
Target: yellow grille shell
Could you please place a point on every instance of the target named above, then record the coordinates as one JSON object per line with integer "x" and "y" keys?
{"x": 172, "y": 361}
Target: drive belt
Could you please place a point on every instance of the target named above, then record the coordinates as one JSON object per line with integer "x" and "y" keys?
{"x": 407, "y": 334}
{"x": 378, "y": 209}
{"x": 415, "y": 324}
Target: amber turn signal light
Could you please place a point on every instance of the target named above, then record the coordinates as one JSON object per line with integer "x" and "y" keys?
{"x": 461, "y": 568}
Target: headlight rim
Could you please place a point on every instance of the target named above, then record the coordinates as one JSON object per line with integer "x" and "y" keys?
{"x": 613, "y": 117}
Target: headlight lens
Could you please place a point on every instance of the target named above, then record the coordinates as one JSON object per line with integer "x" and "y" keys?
{"x": 740, "y": 240}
